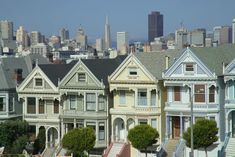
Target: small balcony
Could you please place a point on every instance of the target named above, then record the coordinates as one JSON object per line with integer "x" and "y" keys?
{"x": 78, "y": 113}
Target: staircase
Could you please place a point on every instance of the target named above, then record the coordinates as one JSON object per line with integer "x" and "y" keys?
{"x": 116, "y": 148}
{"x": 49, "y": 152}
{"x": 171, "y": 146}
{"x": 230, "y": 151}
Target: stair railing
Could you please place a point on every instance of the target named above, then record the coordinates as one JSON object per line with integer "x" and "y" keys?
{"x": 179, "y": 150}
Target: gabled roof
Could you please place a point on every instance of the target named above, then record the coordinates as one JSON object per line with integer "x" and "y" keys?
{"x": 102, "y": 68}
{"x": 8, "y": 66}
{"x": 56, "y": 72}
{"x": 155, "y": 62}
{"x": 214, "y": 57}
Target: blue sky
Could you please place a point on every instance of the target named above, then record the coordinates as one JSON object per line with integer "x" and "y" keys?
{"x": 48, "y": 16}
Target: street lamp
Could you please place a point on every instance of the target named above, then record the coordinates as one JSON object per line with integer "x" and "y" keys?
{"x": 191, "y": 122}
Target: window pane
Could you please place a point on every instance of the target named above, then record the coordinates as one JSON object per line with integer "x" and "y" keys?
{"x": 91, "y": 125}
{"x": 81, "y": 77}
{"x": 122, "y": 97}
{"x": 142, "y": 97}
{"x": 189, "y": 67}
{"x": 132, "y": 71}
{"x": 212, "y": 94}
{"x": 154, "y": 123}
{"x": 153, "y": 98}
{"x": 31, "y": 106}
{"x": 2, "y": 104}
{"x": 143, "y": 121}
{"x": 72, "y": 102}
{"x": 41, "y": 106}
{"x": 101, "y": 103}
{"x": 101, "y": 131}
{"x": 38, "y": 82}
{"x": 177, "y": 93}
{"x": 56, "y": 106}
{"x": 11, "y": 102}
{"x": 90, "y": 101}
{"x": 199, "y": 95}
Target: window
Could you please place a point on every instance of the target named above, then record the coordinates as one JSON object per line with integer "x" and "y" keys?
{"x": 81, "y": 77}
{"x": 2, "y": 103}
{"x": 31, "y": 105}
{"x": 41, "y": 106}
{"x": 38, "y": 82}
{"x": 212, "y": 94}
{"x": 11, "y": 102}
{"x": 143, "y": 121}
{"x": 154, "y": 123}
{"x": 189, "y": 68}
{"x": 132, "y": 71}
{"x": 72, "y": 100}
{"x": 90, "y": 101}
{"x": 177, "y": 93}
{"x": 142, "y": 97}
{"x": 153, "y": 98}
{"x": 122, "y": 97}
{"x": 56, "y": 106}
{"x": 199, "y": 93}
{"x": 101, "y": 131}
{"x": 101, "y": 102}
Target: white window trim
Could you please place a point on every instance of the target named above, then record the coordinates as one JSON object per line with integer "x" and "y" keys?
{"x": 70, "y": 103}
{"x": 132, "y": 69}
{"x": 189, "y": 72}
{"x": 34, "y": 83}
{"x": 4, "y": 96}
{"x": 78, "y": 77}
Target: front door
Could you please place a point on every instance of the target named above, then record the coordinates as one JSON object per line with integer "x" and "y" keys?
{"x": 175, "y": 127}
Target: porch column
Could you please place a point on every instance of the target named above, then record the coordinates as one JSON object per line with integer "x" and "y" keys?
{"x": 26, "y": 105}
{"x": 97, "y": 130}
{"x": 96, "y": 102}
{"x": 46, "y": 132}
{"x": 37, "y": 130}
{"x": 66, "y": 128}
{"x": 62, "y": 128}
{"x": 136, "y": 97}
{"x": 181, "y": 125}
{"x": 167, "y": 126}
{"x": 170, "y": 127}
{"x": 74, "y": 123}
{"x": 148, "y": 97}
{"x": 37, "y": 102}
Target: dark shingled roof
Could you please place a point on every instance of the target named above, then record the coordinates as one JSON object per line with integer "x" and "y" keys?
{"x": 102, "y": 68}
{"x": 56, "y": 72}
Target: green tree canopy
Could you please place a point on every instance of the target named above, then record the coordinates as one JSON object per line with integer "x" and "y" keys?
{"x": 204, "y": 134}
{"x": 79, "y": 140}
{"x": 10, "y": 132}
{"x": 142, "y": 136}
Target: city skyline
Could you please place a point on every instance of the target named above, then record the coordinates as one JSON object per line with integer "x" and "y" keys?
{"x": 49, "y": 17}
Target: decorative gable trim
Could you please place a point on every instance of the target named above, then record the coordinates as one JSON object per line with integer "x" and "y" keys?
{"x": 31, "y": 76}
{"x": 131, "y": 58}
{"x": 73, "y": 71}
{"x": 188, "y": 57}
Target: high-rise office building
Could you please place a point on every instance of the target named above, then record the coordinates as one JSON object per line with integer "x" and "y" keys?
{"x": 197, "y": 37}
{"x": 35, "y": 38}
{"x": 81, "y": 38}
{"x": 22, "y": 37}
{"x": 181, "y": 38}
{"x": 233, "y": 34}
{"x": 122, "y": 42}
{"x": 216, "y": 37}
{"x": 107, "y": 35}
{"x": 155, "y": 25}
{"x": 6, "y": 30}
{"x": 64, "y": 34}
{"x": 225, "y": 34}
{"x": 99, "y": 44}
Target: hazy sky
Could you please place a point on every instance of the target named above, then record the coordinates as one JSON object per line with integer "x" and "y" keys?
{"x": 48, "y": 16}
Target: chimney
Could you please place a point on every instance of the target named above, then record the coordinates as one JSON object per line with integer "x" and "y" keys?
{"x": 18, "y": 76}
{"x": 167, "y": 61}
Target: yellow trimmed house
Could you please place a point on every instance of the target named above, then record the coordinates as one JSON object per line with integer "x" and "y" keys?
{"x": 138, "y": 94}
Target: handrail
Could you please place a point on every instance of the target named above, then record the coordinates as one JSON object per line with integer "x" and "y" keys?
{"x": 226, "y": 140}
{"x": 161, "y": 149}
{"x": 106, "y": 151}
{"x": 179, "y": 147}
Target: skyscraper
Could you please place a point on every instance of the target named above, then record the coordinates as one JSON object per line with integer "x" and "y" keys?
{"x": 233, "y": 31}
{"x": 35, "y": 38}
{"x": 225, "y": 34}
{"x": 122, "y": 42}
{"x": 181, "y": 38}
{"x": 107, "y": 35}
{"x": 22, "y": 37}
{"x": 81, "y": 38}
{"x": 155, "y": 25}
{"x": 64, "y": 34}
{"x": 6, "y": 30}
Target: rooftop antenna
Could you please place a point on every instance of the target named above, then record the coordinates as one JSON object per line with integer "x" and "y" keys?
{"x": 181, "y": 24}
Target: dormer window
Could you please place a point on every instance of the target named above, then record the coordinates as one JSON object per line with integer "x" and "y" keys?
{"x": 132, "y": 71}
{"x": 189, "y": 67}
{"x": 38, "y": 82}
{"x": 81, "y": 77}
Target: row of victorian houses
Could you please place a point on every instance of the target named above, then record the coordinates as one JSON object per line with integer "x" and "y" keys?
{"x": 114, "y": 95}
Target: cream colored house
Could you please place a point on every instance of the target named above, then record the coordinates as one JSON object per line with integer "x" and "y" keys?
{"x": 138, "y": 92}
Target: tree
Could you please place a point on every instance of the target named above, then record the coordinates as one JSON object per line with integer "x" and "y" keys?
{"x": 204, "y": 134}
{"x": 39, "y": 143}
{"x": 19, "y": 145}
{"x": 142, "y": 136}
{"x": 79, "y": 140}
{"x": 10, "y": 131}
